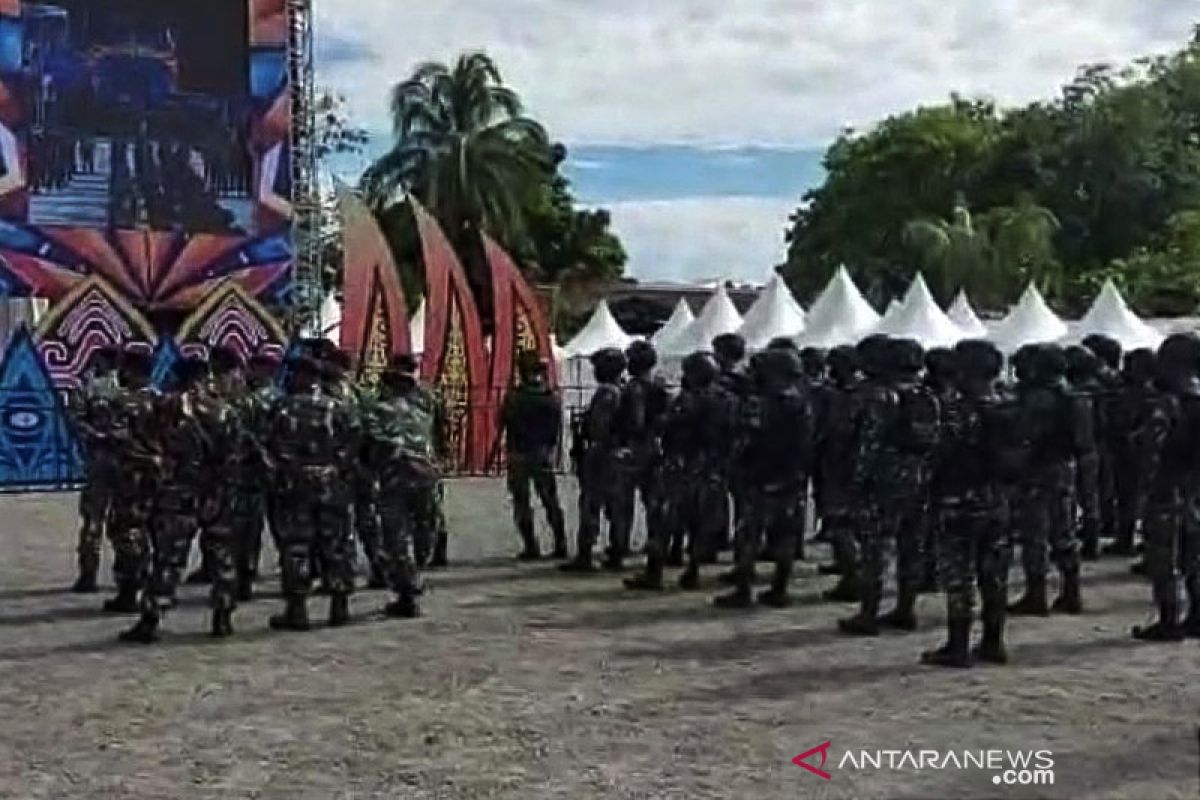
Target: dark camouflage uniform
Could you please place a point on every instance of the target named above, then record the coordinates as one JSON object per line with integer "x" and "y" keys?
{"x": 252, "y": 412}
{"x": 644, "y": 400}
{"x": 93, "y": 410}
{"x": 138, "y": 458}
{"x": 601, "y": 488}
{"x": 532, "y": 424}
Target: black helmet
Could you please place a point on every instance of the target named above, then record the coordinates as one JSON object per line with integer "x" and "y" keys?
{"x": 641, "y": 357}
{"x": 1082, "y": 363}
{"x": 907, "y": 357}
{"x": 137, "y": 363}
{"x": 941, "y": 363}
{"x": 224, "y": 359}
{"x": 782, "y": 366}
{"x": 1182, "y": 352}
{"x": 1140, "y": 365}
{"x": 729, "y": 347}
{"x": 1107, "y": 349}
{"x": 700, "y": 369}
{"x": 783, "y": 343}
{"x": 1050, "y": 362}
{"x": 843, "y": 362}
{"x": 978, "y": 358}
{"x": 813, "y": 359}
{"x": 608, "y": 364}
{"x": 191, "y": 371}
{"x": 873, "y": 355}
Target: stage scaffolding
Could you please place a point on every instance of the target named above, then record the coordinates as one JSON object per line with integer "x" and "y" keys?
{"x": 306, "y": 199}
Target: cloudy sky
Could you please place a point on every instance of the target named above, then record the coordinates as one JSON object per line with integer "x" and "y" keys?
{"x": 700, "y": 122}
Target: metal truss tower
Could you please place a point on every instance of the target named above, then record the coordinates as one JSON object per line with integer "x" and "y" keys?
{"x": 306, "y": 194}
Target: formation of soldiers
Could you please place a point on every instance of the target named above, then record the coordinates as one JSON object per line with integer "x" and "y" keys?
{"x": 230, "y": 448}
{"x": 944, "y": 462}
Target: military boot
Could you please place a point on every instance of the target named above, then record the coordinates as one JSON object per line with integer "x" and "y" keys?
{"x": 689, "y": 580}
{"x": 1167, "y": 629}
{"x": 1191, "y": 623}
{"x": 560, "y": 546}
{"x": 956, "y": 652}
{"x": 844, "y": 591}
{"x": 651, "y": 579}
{"x": 89, "y": 566}
{"x": 531, "y": 551}
{"x": 339, "y": 609}
{"x": 145, "y": 631}
{"x": 441, "y": 547}
{"x": 222, "y": 623}
{"x": 403, "y": 607}
{"x": 245, "y": 588}
{"x": 126, "y": 601}
{"x": 991, "y": 646}
{"x": 1033, "y": 602}
{"x": 294, "y": 616}
{"x": 777, "y": 596}
{"x": 865, "y": 622}
{"x": 1068, "y": 600}
{"x": 903, "y": 617}
{"x": 741, "y": 597}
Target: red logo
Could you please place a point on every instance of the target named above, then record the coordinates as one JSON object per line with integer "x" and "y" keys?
{"x": 801, "y": 760}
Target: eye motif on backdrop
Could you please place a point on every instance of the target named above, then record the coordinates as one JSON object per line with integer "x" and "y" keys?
{"x": 36, "y": 445}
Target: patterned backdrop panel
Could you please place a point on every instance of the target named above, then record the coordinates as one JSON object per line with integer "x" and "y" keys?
{"x": 37, "y": 449}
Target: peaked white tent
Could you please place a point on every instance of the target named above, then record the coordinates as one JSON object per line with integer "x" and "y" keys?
{"x": 680, "y": 319}
{"x": 416, "y": 329}
{"x": 1030, "y": 322}
{"x": 1110, "y": 315}
{"x": 891, "y": 311}
{"x": 920, "y": 318}
{"x": 775, "y": 313}
{"x": 718, "y": 316}
{"x": 600, "y": 332}
{"x": 963, "y": 315}
{"x": 840, "y": 315}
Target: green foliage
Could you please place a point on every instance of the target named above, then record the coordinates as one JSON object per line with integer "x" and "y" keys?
{"x": 464, "y": 147}
{"x": 1094, "y": 184}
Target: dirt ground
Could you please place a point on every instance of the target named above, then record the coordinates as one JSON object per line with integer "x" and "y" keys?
{"x": 519, "y": 683}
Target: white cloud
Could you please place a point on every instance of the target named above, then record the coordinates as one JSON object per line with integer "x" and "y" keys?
{"x": 766, "y": 71}
{"x": 702, "y": 237}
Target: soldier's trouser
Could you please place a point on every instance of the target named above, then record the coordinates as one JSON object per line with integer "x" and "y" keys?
{"x": 1045, "y": 516}
{"x": 974, "y": 552}
{"x": 1131, "y": 506}
{"x": 95, "y": 504}
{"x": 644, "y": 484}
{"x": 1088, "y": 483}
{"x": 246, "y": 518}
{"x": 702, "y": 506}
{"x": 222, "y": 550}
{"x": 395, "y": 555}
{"x": 520, "y": 476}
{"x": 172, "y": 532}
{"x": 840, "y": 526}
{"x": 311, "y": 526}
{"x": 428, "y": 521}
{"x": 129, "y": 533}
{"x": 893, "y": 527}
{"x": 603, "y": 495}
{"x": 367, "y": 524}
{"x": 1109, "y": 506}
{"x": 1173, "y": 548}
{"x": 775, "y": 517}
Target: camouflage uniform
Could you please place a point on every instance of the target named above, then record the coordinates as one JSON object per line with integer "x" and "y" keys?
{"x": 1135, "y": 466}
{"x": 973, "y": 527}
{"x": 601, "y": 489}
{"x": 93, "y": 410}
{"x": 138, "y": 459}
{"x": 1108, "y": 351}
{"x": 1168, "y": 438}
{"x": 833, "y": 479}
{"x": 251, "y": 410}
{"x": 775, "y": 464}
{"x": 311, "y": 441}
{"x": 898, "y": 430}
{"x": 1053, "y": 427}
{"x": 644, "y": 400}
{"x": 1083, "y": 377}
{"x": 532, "y": 422}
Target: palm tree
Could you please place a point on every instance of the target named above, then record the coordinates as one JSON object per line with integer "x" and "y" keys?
{"x": 953, "y": 252}
{"x": 463, "y": 146}
{"x": 1022, "y": 239}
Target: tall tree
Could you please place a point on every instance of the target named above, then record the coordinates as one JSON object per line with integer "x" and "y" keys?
{"x": 463, "y": 146}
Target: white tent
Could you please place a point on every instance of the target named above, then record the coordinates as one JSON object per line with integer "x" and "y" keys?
{"x": 718, "y": 316}
{"x": 416, "y": 329}
{"x": 1111, "y": 316}
{"x": 775, "y": 313}
{"x": 602, "y": 331}
{"x": 963, "y": 315}
{"x": 890, "y": 313}
{"x": 1030, "y": 322}
{"x": 840, "y": 315}
{"x": 920, "y": 318}
{"x": 680, "y": 319}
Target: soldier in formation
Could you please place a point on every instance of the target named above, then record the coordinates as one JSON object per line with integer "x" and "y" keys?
{"x": 224, "y": 451}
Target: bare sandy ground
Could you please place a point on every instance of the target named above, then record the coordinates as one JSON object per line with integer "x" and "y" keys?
{"x": 519, "y": 683}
